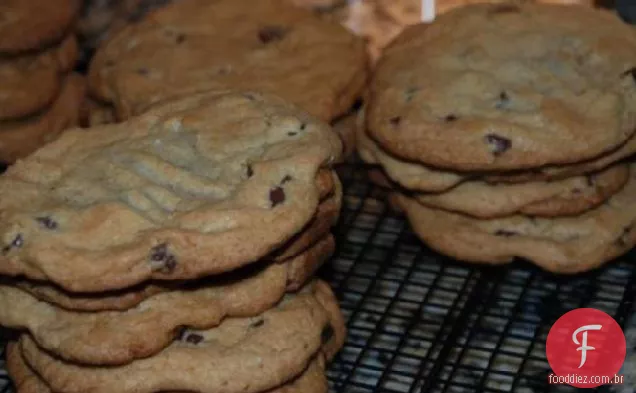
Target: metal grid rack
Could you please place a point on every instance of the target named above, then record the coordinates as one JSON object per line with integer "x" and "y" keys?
{"x": 421, "y": 322}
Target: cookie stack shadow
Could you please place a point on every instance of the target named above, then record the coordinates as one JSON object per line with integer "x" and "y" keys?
{"x": 175, "y": 252}
{"x": 495, "y": 152}
{"x": 40, "y": 96}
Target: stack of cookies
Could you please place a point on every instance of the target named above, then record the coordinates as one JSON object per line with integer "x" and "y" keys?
{"x": 271, "y": 46}
{"x": 174, "y": 252}
{"x": 39, "y": 96}
{"x": 506, "y": 131}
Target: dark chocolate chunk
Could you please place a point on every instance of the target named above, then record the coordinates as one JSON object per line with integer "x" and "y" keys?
{"x": 258, "y": 323}
{"x": 631, "y": 72}
{"x": 505, "y": 9}
{"x": 17, "y": 242}
{"x": 286, "y": 179}
{"x": 498, "y": 144}
{"x": 503, "y": 101}
{"x": 271, "y": 34}
{"x": 292, "y": 133}
{"x": 277, "y": 196}
{"x": 357, "y": 105}
{"x": 193, "y": 338}
{"x": 622, "y": 240}
{"x": 47, "y": 222}
{"x": 180, "y": 38}
{"x": 249, "y": 171}
{"x": 396, "y": 120}
{"x": 505, "y": 233}
{"x": 161, "y": 260}
{"x": 303, "y": 126}
{"x": 327, "y": 333}
{"x": 450, "y": 118}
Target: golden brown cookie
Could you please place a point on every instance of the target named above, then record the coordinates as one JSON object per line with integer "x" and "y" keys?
{"x": 197, "y": 45}
{"x": 560, "y": 244}
{"x": 506, "y": 87}
{"x": 246, "y": 355}
{"x": 25, "y": 380}
{"x": 199, "y": 186}
{"x": 32, "y": 24}
{"x": 30, "y": 83}
{"x": 19, "y": 138}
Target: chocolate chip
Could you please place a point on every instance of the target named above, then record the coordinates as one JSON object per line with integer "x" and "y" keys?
{"x": 109, "y": 63}
{"x": 503, "y": 101}
{"x": 395, "y": 120}
{"x": 194, "y": 338}
{"x": 47, "y": 222}
{"x": 277, "y": 196}
{"x": 631, "y": 72}
{"x": 589, "y": 180}
{"x": 17, "y": 242}
{"x": 249, "y": 171}
{"x": 292, "y": 133}
{"x": 450, "y": 118}
{"x": 622, "y": 241}
{"x": 327, "y": 333}
{"x": 286, "y": 179}
{"x": 357, "y": 105}
{"x": 303, "y": 126}
{"x": 271, "y": 33}
{"x": 249, "y": 96}
{"x": 505, "y": 233}
{"x": 258, "y": 323}
{"x": 143, "y": 71}
{"x": 180, "y": 38}
{"x": 161, "y": 260}
{"x": 505, "y": 9}
{"x": 498, "y": 144}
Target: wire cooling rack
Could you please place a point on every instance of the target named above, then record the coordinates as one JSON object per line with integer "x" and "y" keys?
{"x": 421, "y": 322}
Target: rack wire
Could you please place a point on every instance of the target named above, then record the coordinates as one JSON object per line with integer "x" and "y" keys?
{"x": 422, "y": 322}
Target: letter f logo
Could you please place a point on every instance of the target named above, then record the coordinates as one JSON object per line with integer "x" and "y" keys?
{"x": 583, "y": 344}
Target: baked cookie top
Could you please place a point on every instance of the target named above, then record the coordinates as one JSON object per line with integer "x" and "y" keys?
{"x": 196, "y": 45}
{"x": 33, "y": 24}
{"x": 504, "y": 87}
{"x": 195, "y": 187}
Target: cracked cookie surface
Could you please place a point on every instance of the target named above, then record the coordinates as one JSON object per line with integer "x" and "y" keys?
{"x": 198, "y": 186}
{"x": 507, "y": 87}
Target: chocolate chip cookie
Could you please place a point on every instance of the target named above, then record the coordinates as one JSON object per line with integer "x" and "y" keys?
{"x": 199, "y": 186}
{"x": 542, "y": 199}
{"x": 506, "y": 87}
{"x": 560, "y": 244}
{"x": 25, "y": 380}
{"x": 21, "y": 137}
{"x": 30, "y": 83}
{"x": 198, "y": 45}
{"x": 246, "y": 355}
{"x": 118, "y": 337}
{"x": 31, "y": 24}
